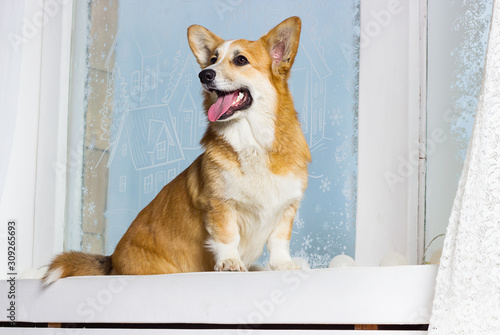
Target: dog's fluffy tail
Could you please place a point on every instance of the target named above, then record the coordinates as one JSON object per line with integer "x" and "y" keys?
{"x": 74, "y": 263}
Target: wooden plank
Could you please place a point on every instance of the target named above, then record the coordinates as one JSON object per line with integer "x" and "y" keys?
{"x": 52, "y": 331}
{"x": 54, "y": 325}
{"x": 366, "y": 327}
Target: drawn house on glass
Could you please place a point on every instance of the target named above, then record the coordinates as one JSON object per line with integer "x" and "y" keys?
{"x": 189, "y": 120}
{"x": 309, "y": 89}
{"x": 130, "y": 47}
{"x": 145, "y": 157}
{"x": 144, "y": 82}
{"x": 152, "y": 135}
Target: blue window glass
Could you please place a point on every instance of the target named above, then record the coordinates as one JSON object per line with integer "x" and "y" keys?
{"x": 145, "y": 96}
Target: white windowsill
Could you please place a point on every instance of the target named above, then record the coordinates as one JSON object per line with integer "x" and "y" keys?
{"x": 364, "y": 295}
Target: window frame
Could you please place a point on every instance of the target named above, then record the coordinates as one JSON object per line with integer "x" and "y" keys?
{"x": 48, "y": 70}
{"x": 171, "y": 174}
{"x": 135, "y": 83}
{"x": 124, "y": 149}
{"x": 161, "y": 150}
{"x": 381, "y": 207}
{"x": 123, "y": 184}
{"x": 38, "y": 197}
{"x": 148, "y": 184}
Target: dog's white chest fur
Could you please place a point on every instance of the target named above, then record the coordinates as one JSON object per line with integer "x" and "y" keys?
{"x": 261, "y": 197}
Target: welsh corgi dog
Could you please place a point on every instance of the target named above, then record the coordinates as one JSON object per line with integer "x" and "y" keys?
{"x": 243, "y": 191}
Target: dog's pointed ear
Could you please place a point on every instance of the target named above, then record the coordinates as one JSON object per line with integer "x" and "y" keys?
{"x": 282, "y": 43}
{"x": 202, "y": 43}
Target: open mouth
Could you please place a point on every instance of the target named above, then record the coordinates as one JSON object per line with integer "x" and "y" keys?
{"x": 229, "y": 103}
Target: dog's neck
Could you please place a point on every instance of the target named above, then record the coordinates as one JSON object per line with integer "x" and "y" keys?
{"x": 248, "y": 134}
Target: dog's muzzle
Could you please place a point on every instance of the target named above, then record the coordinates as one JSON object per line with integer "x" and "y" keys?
{"x": 207, "y": 76}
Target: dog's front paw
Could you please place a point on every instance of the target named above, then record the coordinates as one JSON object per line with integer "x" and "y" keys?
{"x": 289, "y": 265}
{"x": 230, "y": 264}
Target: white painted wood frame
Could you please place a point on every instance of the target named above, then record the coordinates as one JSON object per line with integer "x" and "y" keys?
{"x": 35, "y": 188}
{"x": 391, "y": 81}
{"x": 340, "y": 296}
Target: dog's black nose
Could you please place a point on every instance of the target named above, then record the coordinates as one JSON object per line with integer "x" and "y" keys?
{"x": 207, "y": 76}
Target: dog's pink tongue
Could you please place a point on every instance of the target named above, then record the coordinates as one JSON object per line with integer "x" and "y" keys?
{"x": 221, "y": 106}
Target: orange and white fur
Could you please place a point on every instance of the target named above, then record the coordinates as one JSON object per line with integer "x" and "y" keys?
{"x": 243, "y": 191}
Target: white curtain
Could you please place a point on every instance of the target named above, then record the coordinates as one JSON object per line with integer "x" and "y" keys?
{"x": 467, "y": 295}
{"x": 11, "y": 23}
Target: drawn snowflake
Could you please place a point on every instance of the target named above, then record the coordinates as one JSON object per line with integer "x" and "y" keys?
{"x": 317, "y": 208}
{"x": 307, "y": 242}
{"x": 326, "y": 225}
{"x": 336, "y": 117}
{"x": 91, "y": 145}
{"x": 319, "y": 261}
{"x": 91, "y": 208}
{"x": 87, "y": 247}
{"x": 85, "y": 190}
{"x": 325, "y": 185}
{"x": 341, "y": 152}
{"x": 299, "y": 224}
{"x": 302, "y": 254}
{"x": 348, "y": 190}
{"x": 95, "y": 222}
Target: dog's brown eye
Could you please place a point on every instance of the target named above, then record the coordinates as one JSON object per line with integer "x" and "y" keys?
{"x": 241, "y": 60}
{"x": 213, "y": 60}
